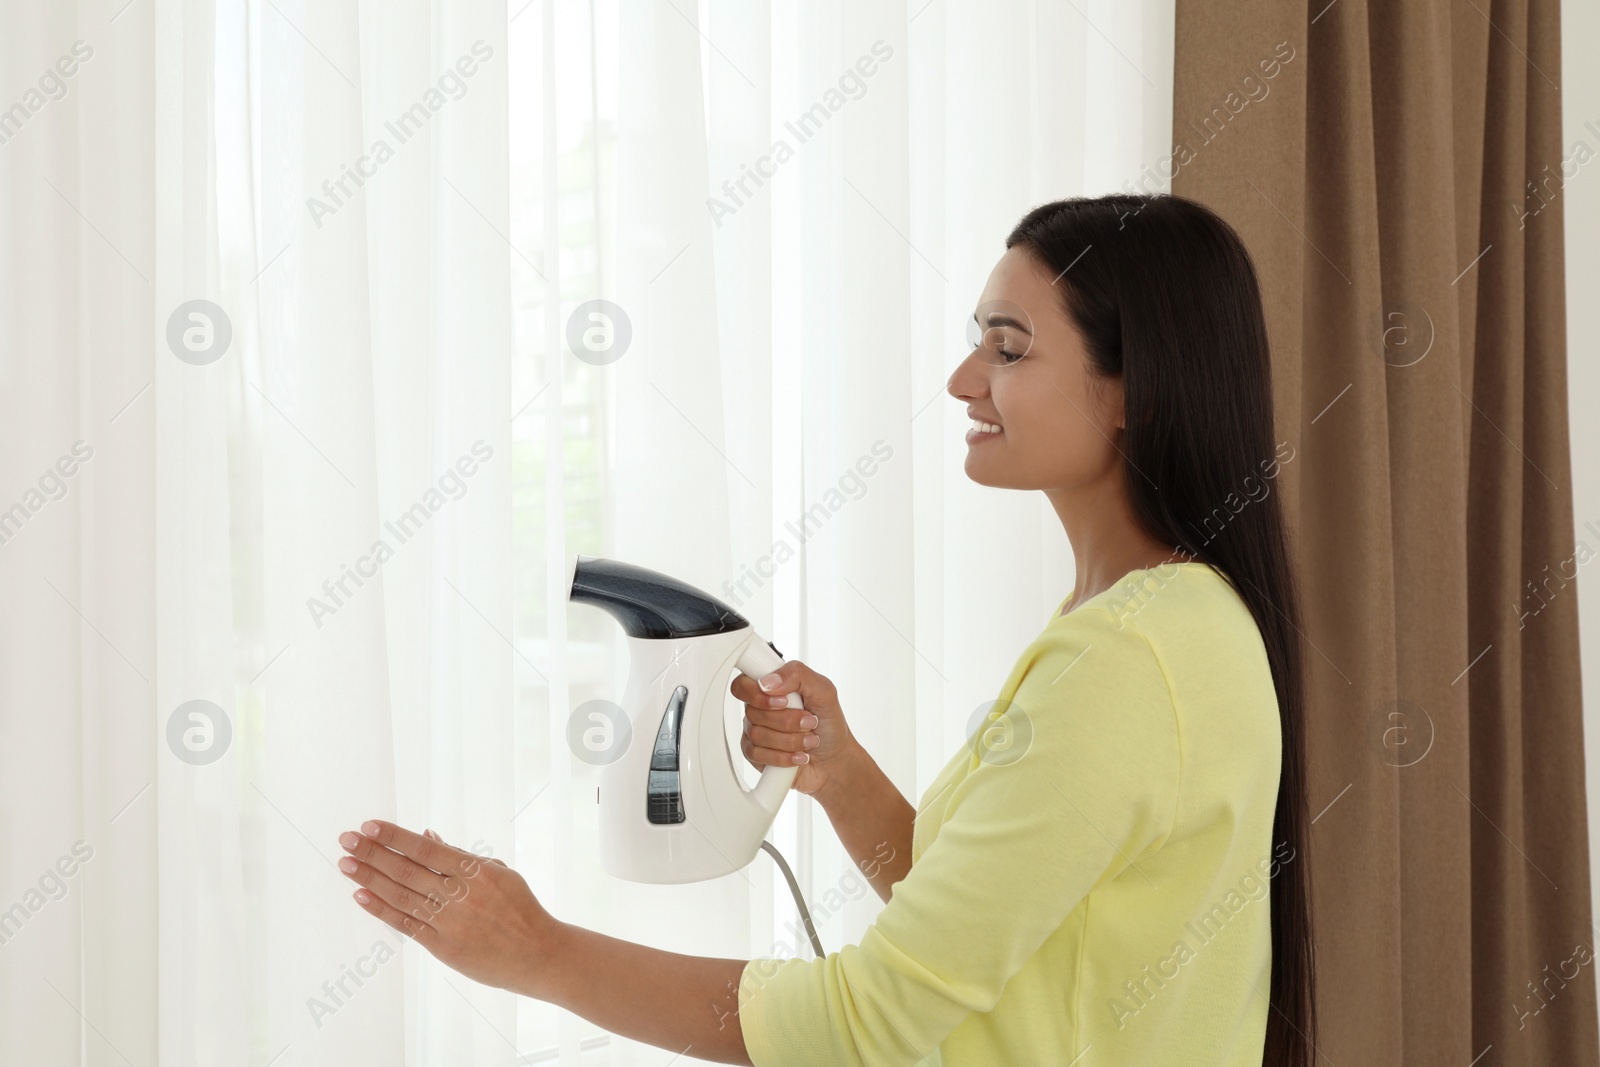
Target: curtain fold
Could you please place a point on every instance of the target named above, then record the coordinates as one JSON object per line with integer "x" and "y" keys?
{"x": 1412, "y": 273}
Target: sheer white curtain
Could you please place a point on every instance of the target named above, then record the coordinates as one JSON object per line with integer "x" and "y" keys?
{"x": 335, "y": 502}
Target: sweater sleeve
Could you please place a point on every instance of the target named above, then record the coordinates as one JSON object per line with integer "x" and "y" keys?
{"x": 1085, "y": 785}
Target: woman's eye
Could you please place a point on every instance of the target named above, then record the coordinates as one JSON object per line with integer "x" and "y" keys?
{"x": 977, "y": 340}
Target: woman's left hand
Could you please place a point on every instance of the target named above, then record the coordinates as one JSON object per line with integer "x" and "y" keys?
{"x": 477, "y": 916}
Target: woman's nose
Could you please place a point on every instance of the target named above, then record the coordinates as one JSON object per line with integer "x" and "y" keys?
{"x": 968, "y": 382}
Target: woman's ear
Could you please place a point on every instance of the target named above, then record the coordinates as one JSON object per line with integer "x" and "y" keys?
{"x": 1112, "y": 402}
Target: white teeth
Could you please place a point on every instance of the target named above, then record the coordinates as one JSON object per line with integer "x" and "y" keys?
{"x": 984, "y": 427}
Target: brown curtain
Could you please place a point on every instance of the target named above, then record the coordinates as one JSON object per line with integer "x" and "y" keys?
{"x": 1376, "y": 157}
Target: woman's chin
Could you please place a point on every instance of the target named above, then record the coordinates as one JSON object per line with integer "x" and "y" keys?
{"x": 987, "y": 471}
{"x": 982, "y": 472}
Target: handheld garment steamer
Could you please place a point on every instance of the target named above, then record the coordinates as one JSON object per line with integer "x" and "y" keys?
{"x": 673, "y": 807}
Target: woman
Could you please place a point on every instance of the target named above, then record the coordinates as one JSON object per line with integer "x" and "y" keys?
{"x": 1114, "y": 871}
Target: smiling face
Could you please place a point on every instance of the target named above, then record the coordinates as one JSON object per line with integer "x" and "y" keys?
{"x": 1028, "y": 373}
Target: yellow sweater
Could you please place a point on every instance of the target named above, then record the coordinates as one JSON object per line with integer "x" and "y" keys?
{"x": 1089, "y": 879}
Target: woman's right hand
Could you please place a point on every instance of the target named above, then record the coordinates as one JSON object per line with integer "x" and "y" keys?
{"x": 775, "y": 733}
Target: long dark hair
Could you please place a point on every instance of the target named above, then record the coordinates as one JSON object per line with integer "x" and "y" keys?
{"x": 1166, "y": 298}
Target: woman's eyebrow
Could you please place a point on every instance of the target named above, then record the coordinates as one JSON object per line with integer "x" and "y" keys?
{"x": 997, "y": 319}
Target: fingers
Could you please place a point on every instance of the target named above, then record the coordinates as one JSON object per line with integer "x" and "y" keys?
{"x": 788, "y": 675}
{"x": 778, "y": 757}
{"x": 746, "y": 689}
{"x": 789, "y": 720}
{"x": 403, "y": 899}
{"x": 794, "y": 679}
{"x": 413, "y": 871}
{"x": 791, "y": 675}
{"x": 749, "y": 689}
{"x": 419, "y": 881}
{"x": 431, "y": 853}
{"x": 436, "y": 837}
{"x": 406, "y": 924}
{"x": 399, "y": 872}
{"x": 781, "y": 741}
{"x": 775, "y": 733}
